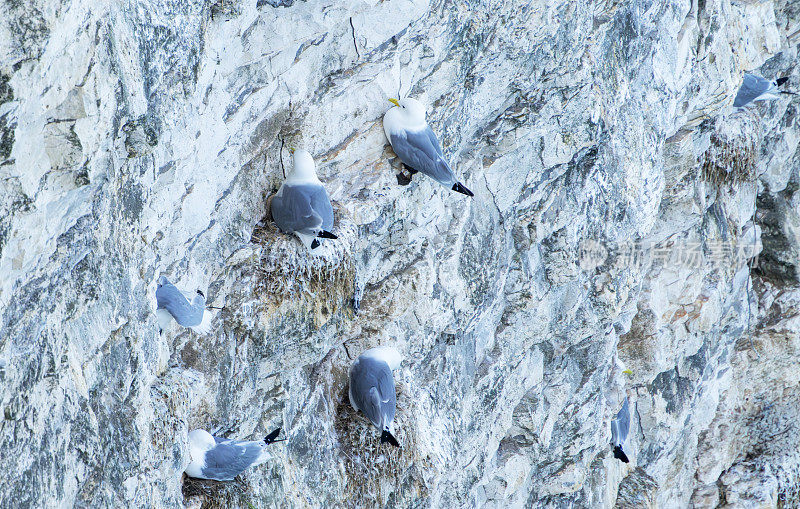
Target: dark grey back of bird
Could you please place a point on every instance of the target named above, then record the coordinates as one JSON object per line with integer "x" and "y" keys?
{"x": 752, "y": 88}
{"x": 372, "y": 390}
{"x": 230, "y": 458}
{"x": 620, "y": 425}
{"x": 421, "y": 151}
{"x": 303, "y": 208}
{"x": 170, "y": 298}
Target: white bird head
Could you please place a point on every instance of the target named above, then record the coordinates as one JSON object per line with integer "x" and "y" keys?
{"x": 389, "y": 354}
{"x": 304, "y": 167}
{"x": 411, "y": 110}
{"x": 199, "y": 442}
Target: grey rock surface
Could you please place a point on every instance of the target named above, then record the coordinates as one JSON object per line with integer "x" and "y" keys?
{"x": 630, "y": 234}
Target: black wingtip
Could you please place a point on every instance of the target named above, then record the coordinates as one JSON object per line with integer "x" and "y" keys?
{"x": 459, "y": 188}
{"x": 388, "y": 437}
{"x": 314, "y": 244}
{"x": 620, "y": 455}
{"x": 272, "y": 436}
{"x": 326, "y": 235}
{"x": 781, "y": 81}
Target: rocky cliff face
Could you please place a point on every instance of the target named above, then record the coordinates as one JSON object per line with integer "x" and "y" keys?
{"x": 625, "y": 218}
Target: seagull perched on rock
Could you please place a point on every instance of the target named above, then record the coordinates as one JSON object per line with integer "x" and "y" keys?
{"x": 620, "y": 425}
{"x": 415, "y": 144}
{"x": 188, "y": 310}
{"x": 755, "y": 88}
{"x": 302, "y": 205}
{"x": 372, "y": 388}
{"x": 222, "y": 459}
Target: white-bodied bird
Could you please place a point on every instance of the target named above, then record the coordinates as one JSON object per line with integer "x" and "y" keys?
{"x": 620, "y": 425}
{"x": 372, "y": 388}
{"x": 415, "y": 144}
{"x": 188, "y": 310}
{"x": 755, "y": 88}
{"x": 222, "y": 459}
{"x": 302, "y": 205}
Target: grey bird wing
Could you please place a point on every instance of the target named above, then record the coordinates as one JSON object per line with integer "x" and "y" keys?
{"x": 372, "y": 388}
{"x": 422, "y": 152}
{"x": 752, "y": 87}
{"x": 304, "y": 208}
{"x": 170, "y": 298}
{"x": 230, "y": 458}
{"x": 620, "y": 425}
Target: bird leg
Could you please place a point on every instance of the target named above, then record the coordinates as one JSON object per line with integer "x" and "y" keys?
{"x": 402, "y": 179}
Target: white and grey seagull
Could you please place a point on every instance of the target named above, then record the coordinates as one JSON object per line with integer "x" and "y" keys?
{"x": 222, "y": 459}
{"x": 372, "y": 388}
{"x": 188, "y": 310}
{"x": 755, "y": 88}
{"x": 302, "y": 205}
{"x": 620, "y": 426}
{"x": 415, "y": 144}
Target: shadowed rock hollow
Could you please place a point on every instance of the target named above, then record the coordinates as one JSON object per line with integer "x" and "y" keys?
{"x": 624, "y": 218}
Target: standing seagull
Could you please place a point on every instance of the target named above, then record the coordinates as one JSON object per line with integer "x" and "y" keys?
{"x": 222, "y": 459}
{"x": 620, "y": 425}
{"x": 372, "y": 388}
{"x": 302, "y": 205}
{"x": 187, "y": 310}
{"x": 755, "y": 88}
{"x": 415, "y": 144}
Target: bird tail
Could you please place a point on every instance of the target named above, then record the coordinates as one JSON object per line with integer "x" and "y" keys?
{"x": 781, "y": 81}
{"x": 619, "y": 454}
{"x": 388, "y": 437}
{"x": 273, "y": 437}
{"x": 324, "y": 234}
{"x": 204, "y": 327}
{"x": 459, "y": 188}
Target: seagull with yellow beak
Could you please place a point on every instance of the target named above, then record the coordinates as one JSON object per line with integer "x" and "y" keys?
{"x": 415, "y": 144}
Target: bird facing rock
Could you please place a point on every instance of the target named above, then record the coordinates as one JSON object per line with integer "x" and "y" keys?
{"x": 302, "y": 205}
{"x": 372, "y": 388}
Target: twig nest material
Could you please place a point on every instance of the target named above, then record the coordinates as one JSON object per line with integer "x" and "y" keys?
{"x": 380, "y": 475}
{"x": 731, "y": 156}
{"x": 285, "y": 267}
{"x": 208, "y": 494}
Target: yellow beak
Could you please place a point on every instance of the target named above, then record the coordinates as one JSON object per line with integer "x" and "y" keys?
{"x": 395, "y": 102}
{"x": 291, "y": 150}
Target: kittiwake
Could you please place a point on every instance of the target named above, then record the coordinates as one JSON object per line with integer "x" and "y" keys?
{"x": 222, "y": 459}
{"x": 755, "y": 88}
{"x": 415, "y": 144}
{"x": 620, "y": 425}
{"x": 302, "y": 205}
{"x": 188, "y": 310}
{"x": 372, "y": 388}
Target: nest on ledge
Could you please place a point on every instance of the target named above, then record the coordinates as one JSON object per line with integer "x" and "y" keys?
{"x": 285, "y": 268}
{"x": 731, "y": 157}
{"x": 216, "y": 494}
{"x": 380, "y": 475}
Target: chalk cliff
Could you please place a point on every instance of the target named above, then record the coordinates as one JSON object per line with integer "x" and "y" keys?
{"x": 630, "y": 234}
